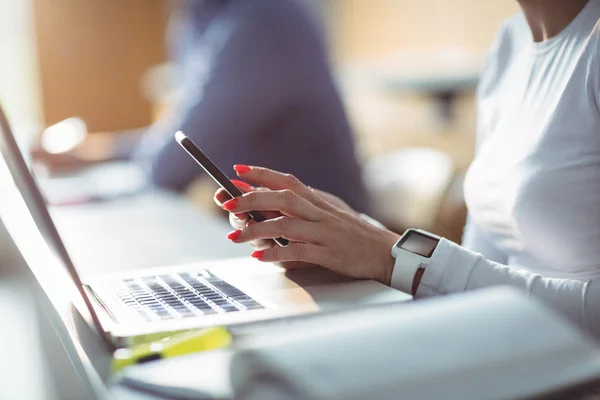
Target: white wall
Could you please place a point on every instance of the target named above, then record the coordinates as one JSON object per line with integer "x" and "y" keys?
{"x": 19, "y": 78}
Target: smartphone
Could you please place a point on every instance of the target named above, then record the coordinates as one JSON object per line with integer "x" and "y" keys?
{"x": 218, "y": 176}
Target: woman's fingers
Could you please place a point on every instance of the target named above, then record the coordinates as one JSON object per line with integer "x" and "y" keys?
{"x": 259, "y": 244}
{"x": 279, "y": 181}
{"x": 293, "y": 229}
{"x": 238, "y": 223}
{"x": 285, "y": 201}
{"x": 304, "y": 252}
{"x": 243, "y": 186}
{"x": 221, "y": 196}
{"x": 267, "y": 177}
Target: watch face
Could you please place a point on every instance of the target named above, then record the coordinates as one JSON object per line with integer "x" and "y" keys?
{"x": 419, "y": 243}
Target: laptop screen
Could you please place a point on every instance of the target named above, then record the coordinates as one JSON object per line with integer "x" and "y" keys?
{"x": 26, "y": 217}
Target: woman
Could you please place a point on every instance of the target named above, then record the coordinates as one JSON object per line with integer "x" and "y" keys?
{"x": 533, "y": 190}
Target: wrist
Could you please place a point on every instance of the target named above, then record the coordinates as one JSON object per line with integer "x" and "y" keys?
{"x": 388, "y": 269}
{"x": 387, "y": 260}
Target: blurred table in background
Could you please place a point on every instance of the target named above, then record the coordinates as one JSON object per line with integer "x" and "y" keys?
{"x": 146, "y": 230}
{"x": 111, "y": 220}
{"x": 443, "y": 88}
{"x": 393, "y": 106}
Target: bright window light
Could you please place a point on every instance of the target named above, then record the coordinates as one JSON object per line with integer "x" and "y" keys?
{"x": 64, "y": 136}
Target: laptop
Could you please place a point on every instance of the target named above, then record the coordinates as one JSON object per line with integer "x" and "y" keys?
{"x": 138, "y": 306}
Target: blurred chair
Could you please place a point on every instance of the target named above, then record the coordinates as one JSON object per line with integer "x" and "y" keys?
{"x": 408, "y": 186}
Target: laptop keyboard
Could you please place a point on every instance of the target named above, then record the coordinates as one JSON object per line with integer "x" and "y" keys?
{"x": 173, "y": 296}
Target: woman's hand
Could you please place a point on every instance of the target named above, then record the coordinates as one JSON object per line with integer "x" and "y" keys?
{"x": 321, "y": 228}
{"x": 239, "y": 221}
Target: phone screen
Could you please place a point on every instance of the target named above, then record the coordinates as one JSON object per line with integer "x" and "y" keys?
{"x": 218, "y": 176}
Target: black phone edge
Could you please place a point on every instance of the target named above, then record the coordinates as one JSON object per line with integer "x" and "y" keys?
{"x": 220, "y": 178}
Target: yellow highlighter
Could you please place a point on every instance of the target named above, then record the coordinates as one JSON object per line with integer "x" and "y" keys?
{"x": 173, "y": 346}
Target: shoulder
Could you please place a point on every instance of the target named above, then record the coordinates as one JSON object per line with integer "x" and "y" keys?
{"x": 589, "y": 38}
{"x": 512, "y": 35}
{"x": 274, "y": 17}
{"x": 510, "y": 39}
{"x": 287, "y": 9}
{"x": 283, "y": 33}
{"x": 593, "y": 65}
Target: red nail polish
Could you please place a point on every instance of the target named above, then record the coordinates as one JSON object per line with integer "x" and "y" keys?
{"x": 231, "y": 204}
{"x": 258, "y": 253}
{"x": 235, "y": 235}
{"x": 242, "y": 169}
{"x": 241, "y": 184}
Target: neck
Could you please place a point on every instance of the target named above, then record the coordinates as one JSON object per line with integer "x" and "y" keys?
{"x": 547, "y": 18}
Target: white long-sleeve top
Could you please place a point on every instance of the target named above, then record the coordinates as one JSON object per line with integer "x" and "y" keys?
{"x": 533, "y": 190}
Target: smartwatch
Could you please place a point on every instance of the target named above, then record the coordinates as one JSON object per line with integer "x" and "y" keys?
{"x": 412, "y": 251}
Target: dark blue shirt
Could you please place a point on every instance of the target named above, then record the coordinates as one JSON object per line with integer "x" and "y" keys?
{"x": 257, "y": 89}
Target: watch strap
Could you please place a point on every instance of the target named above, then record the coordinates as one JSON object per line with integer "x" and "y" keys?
{"x": 405, "y": 269}
{"x": 417, "y": 279}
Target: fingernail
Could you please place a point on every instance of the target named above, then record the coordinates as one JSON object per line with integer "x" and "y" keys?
{"x": 235, "y": 235}
{"x": 258, "y": 253}
{"x": 241, "y": 184}
{"x": 230, "y": 204}
{"x": 239, "y": 216}
{"x": 242, "y": 169}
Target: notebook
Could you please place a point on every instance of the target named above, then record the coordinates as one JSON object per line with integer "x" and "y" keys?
{"x": 492, "y": 344}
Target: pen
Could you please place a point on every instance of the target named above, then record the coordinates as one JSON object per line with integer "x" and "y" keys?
{"x": 172, "y": 346}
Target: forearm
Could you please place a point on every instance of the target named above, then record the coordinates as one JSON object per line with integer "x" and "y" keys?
{"x": 455, "y": 269}
{"x": 96, "y": 148}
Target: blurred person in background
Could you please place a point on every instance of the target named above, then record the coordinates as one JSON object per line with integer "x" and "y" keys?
{"x": 533, "y": 190}
{"x": 256, "y": 86}
{"x": 253, "y": 85}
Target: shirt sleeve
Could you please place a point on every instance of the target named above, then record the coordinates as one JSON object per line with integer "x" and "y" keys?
{"x": 239, "y": 76}
{"x": 455, "y": 269}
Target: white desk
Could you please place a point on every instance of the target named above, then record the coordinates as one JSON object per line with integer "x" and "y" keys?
{"x": 144, "y": 231}
{"x": 87, "y": 352}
